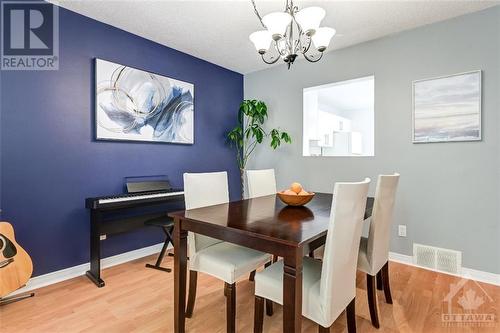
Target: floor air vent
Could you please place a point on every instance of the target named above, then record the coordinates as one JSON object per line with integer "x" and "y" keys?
{"x": 444, "y": 260}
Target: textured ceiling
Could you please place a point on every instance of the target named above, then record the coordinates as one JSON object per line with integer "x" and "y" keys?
{"x": 217, "y": 31}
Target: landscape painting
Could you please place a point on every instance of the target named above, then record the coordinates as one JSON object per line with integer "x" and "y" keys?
{"x": 447, "y": 108}
{"x": 136, "y": 105}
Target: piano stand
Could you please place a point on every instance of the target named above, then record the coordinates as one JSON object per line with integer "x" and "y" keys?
{"x": 94, "y": 274}
{"x": 97, "y": 280}
{"x": 167, "y": 225}
{"x": 147, "y": 203}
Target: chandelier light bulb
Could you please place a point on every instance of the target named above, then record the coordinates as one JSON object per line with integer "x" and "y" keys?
{"x": 277, "y": 23}
{"x": 261, "y": 40}
{"x": 309, "y": 19}
{"x": 322, "y": 37}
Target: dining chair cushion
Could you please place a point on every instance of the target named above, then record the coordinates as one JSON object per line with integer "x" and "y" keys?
{"x": 261, "y": 183}
{"x": 227, "y": 261}
{"x": 269, "y": 284}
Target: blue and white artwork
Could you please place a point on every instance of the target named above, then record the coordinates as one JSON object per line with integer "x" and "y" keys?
{"x": 136, "y": 105}
{"x": 447, "y": 108}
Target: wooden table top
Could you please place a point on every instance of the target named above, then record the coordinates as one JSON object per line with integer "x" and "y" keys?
{"x": 268, "y": 218}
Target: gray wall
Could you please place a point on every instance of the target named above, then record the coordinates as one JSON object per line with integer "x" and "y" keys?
{"x": 449, "y": 192}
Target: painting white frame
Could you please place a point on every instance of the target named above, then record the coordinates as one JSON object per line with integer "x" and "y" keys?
{"x": 479, "y": 138}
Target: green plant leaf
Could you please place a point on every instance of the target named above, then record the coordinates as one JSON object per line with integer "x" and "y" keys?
{"x": 252, "y": 115}
{"x": 286, "y": 137}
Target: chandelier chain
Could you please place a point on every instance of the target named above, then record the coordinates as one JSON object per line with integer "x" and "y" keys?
{"x": 257, "y": 13}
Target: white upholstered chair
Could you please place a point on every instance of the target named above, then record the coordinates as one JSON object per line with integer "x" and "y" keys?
{"x": 225, "y": 261}
{"x": 373, "y": 256}
{"x": 328, "y": 287}
{"x": 261, "y": 183}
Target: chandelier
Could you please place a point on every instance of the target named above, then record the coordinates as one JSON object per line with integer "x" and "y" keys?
{"x": 292, "y": 32}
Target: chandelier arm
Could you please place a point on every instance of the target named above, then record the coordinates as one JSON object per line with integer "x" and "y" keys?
{"x": 312, "y": 60}
{"x": 257, "y": 13}
{"x": 304, "y": 51}
{"x": 269, "y": 62}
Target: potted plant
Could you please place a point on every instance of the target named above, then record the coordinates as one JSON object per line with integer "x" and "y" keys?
{"x": 250, "y": 132}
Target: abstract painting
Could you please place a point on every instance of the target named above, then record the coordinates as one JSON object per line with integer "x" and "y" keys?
{"x": 447, "y": 108}
{"x": 136, "y": 105}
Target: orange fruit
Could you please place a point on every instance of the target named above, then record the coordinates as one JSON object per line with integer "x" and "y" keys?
{"x": 289, "y": 192}
{"x": 296, "y": 187}
{"x": 303, "y": 192}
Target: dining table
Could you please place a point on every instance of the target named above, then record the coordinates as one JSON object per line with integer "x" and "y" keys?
{"x": 265, "y": 224}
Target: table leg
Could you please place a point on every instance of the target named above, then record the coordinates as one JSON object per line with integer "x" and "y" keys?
{"x": 180, "y": 270}
{"x": 292, "y": 291}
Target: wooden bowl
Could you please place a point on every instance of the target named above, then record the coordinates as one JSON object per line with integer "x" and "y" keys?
{"x": 295, "y": 200}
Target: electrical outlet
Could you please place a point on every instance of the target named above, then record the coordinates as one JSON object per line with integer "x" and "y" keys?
{"x": 102, "y": 237}
{"x": 402, "y": 230}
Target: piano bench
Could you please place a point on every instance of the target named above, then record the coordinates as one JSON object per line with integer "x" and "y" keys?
{"x": 162, "y": 221}
{"x": 167, "y": 225}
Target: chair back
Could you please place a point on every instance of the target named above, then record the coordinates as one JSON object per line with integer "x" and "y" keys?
{"x": 201, "y": 190}
{"x": 379, "y": 237}
{"x": 338, "y": 273}
{"x": 261, "y": 183}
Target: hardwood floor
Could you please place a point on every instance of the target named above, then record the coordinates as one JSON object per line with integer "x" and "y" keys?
{"x": 137, "y": 299}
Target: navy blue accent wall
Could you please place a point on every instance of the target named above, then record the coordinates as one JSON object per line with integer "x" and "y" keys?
{"x": 50, "y": 161}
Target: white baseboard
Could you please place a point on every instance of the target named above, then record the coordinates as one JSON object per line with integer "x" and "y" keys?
{"x": 467, "y": 273}
{"x": 75, "y": 271}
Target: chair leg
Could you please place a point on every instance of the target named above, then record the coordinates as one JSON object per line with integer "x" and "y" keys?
{"x": 269, "y": 307}
{"x": 322, "y": 329}
{"x": 372, "y": 299}
{"x": 351, "y": 316}
{"x": 258, "y": 317}
{"x": 385, "y": 280}
{"x": 193, "y": 279}
{"x": 379, "y": 280}
{"x": 230, "y": 307}
{"x": 252, "y": 276}
{"x": 269, "y": 303}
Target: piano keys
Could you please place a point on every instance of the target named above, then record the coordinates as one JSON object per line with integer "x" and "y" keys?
{"x": 123, "y": 200}
{"x": 113, "y": 214}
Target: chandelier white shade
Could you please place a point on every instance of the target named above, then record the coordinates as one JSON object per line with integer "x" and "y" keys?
{"x": 322, "y": 37}
{"x": 277, "y": 23}
{"x": 262, "y": 40}
{"x": 310, "y": 18}
{"x": 290, "y": 33}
